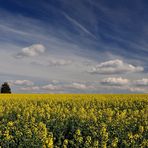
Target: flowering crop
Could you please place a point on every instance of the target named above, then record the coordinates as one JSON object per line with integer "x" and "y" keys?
{"x": 74, "y": 121}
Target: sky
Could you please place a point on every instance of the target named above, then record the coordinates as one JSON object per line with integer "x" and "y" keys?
{"x": 74, "y": 46}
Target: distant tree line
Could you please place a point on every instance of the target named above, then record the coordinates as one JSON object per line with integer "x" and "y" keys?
{"x": 5, "y": 88}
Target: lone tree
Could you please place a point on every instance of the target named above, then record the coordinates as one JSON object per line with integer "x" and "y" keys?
{"x": 5, "y": 88}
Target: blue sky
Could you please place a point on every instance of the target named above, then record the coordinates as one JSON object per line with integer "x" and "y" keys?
{"x": 74, "y": 46}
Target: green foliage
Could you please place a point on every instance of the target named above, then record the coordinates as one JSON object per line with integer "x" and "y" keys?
{"x": 74, "y": 121}
{"x": 5, "y": 88}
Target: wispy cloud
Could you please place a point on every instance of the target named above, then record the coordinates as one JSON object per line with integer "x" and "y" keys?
{"x": 13, "y": 30}
{"x": 77, "y": 24}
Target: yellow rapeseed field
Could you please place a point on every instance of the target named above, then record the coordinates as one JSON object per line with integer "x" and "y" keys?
{"x": 73, "y": 121}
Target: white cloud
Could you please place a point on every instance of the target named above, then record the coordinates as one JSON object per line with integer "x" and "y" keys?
{"x": 142, "y": 82}
{"x": 137, "y": 86}
{"x": 80, "y": 86}
{"x": 115, "y": 67}
{"x": 57, "y": 88}
{"x": 53, "y": 62}
{"x": 31, "y": 51}
{"x": 33, "y": 88}
{"x": 51, "y": 87}
{"x": 138, "y": 89}
{"x": 59, "y": 62}
{"x": 22, "y": 82}
{"x": 111, "y": 84}
{"x": 55, "y": 81}
{"x": 114, "y": 81}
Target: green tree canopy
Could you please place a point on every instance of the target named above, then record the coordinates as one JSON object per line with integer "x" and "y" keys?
{"x": 5, "y": 88}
